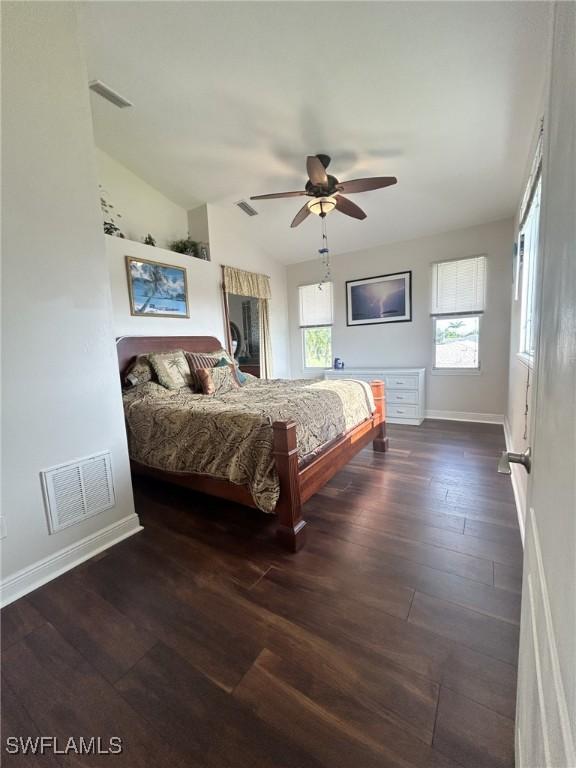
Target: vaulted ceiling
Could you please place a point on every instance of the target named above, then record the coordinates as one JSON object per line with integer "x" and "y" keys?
{"x": 230, "y": 97}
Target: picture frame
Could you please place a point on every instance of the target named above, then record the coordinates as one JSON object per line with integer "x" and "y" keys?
{"x": 156, "y": 289}
{"x": 380, "y": 299}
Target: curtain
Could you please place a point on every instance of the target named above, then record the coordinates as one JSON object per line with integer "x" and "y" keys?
{"x": 265, "y": 340}
{"x": 244, "y": 283}
{"x": 253, "y": 284}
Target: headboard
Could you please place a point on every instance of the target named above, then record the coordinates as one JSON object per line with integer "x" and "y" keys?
{"x": 128, "y": 347}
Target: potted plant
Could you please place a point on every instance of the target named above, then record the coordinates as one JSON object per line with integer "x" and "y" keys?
{"x": 187, "y": 246}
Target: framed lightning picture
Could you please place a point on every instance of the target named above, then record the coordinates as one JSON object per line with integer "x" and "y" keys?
{"x": 382, "y": 299}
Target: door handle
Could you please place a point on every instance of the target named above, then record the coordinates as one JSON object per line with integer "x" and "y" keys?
{"x": 508, "y": 457}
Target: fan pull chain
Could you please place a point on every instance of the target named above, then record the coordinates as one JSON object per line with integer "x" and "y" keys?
{"x": 325, "y": 256}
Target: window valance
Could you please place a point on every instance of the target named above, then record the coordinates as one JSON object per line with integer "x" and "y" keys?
{"x": 244, "y": 283}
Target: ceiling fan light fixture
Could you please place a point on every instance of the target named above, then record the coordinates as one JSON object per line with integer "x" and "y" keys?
{"x": 322, "y": 205}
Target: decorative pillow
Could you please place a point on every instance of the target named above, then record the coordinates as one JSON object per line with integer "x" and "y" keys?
{"x": 197, "y": 360}
{"x": 171, "y": 368}
{"x": 201, "y": 360}
{"x": 222, "y": 353}
{"x": 242, "y": 378}
{"x": 218, "y": 380}
{"x": 139, "y": 372}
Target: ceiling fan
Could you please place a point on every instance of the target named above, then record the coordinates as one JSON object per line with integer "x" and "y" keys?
{"x": 325, "y": 191}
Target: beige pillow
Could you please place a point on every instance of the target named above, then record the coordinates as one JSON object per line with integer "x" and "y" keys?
{"x": 217, "y": 381}
{"x": 171, "y": 368}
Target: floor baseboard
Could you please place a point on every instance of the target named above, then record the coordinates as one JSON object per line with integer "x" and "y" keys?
{"x": 37, "y": 574}
{"x": 485, "y": 418}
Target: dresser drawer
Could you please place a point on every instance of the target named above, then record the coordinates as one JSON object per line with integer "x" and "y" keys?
{"x": 401, "y": 381}
{"x": 402, "y": 396}
{"x": 402, "y": 411}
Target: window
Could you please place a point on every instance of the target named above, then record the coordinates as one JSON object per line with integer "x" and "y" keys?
{"x": 527, "y": 264}
{"x": 528, "y": 255}
{"x": 456, "y": 342}
{"x": 316, "y": 313}
{"x": 317, "y": 347}
{"x": 458, "y": 300}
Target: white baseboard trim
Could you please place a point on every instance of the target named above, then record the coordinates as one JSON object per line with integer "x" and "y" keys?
{"x": 517, "y": 488}
{"x": 485, "y": 418}
{"x": 37, "y": 574}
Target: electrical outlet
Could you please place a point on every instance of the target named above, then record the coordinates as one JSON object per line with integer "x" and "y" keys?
{"x": 3, "y": 528}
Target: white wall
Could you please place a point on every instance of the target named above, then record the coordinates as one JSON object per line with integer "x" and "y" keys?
{"x": 410, "y": 344}
{"x": 61, "y": 390}
{"x": 204, "y": 294}
{"x": 144, "y": 210}
{"x": 231, "y": 243}
{"x": 198, "y": 224}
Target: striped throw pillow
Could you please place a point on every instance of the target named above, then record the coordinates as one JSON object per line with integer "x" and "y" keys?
{"x": 198, "y": 360}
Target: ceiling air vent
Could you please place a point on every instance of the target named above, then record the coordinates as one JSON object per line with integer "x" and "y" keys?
{"x": 76, "y": 491}
{"x": 109, "y": 94}
{"x": 247, "y": 208}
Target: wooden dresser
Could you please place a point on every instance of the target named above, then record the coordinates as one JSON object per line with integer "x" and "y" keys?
{"x": 405, "y": 390}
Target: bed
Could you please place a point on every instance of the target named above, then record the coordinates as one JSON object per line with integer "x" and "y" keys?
{"x": 300, "y": 447}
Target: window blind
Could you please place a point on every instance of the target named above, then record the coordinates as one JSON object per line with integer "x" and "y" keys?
{"x": 533, "y": 178}
{"x": 459, "y": 287}
{"x": 315, "y": 305}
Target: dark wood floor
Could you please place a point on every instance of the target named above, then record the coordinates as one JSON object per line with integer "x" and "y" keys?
{"x": 391, "y": 640}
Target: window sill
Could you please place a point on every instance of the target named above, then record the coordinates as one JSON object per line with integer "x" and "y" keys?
{"x": 456, "y": 372}
{"x": 525, "y": 360}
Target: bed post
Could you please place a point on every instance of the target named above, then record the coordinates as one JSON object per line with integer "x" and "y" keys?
{"x": 291, "y": 527}
{"x": 380, "y": 442}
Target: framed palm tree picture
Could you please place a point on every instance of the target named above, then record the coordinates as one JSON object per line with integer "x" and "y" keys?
{"x": 156, "y": 290}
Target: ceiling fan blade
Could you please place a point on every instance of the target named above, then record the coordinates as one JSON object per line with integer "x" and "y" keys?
{"x": 277, "y": 194}
{"x": 365, "y": 185}
{"x": 349, "y": 208}
{"x": 302, "y": 214}
{"x": 316, "y": 171}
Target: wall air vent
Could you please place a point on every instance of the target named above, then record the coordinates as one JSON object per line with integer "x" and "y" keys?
{"x": 109, "y": 94}
{"x": 76, "y": 491}
{"x": 247, "y": 208}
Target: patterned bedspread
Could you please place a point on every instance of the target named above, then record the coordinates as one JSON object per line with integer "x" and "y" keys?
{"x": 230, "y": 436}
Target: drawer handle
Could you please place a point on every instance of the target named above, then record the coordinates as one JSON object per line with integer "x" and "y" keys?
{"x": 399, "y": 397}
{"x": 399, "y": 410}
{"x": 399, "y": 381}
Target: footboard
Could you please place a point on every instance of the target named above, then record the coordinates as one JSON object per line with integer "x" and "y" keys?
{"x": 298, "y": 485}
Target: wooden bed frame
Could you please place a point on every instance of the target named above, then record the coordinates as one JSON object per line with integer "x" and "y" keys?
{"x": 297, "y": 484}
